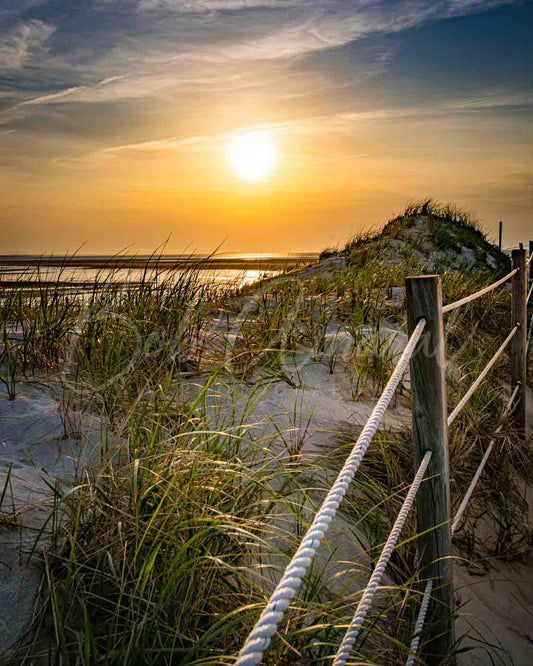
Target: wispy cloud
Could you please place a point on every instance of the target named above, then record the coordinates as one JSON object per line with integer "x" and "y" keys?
{"x": 76, "y": 93}
{"x": 200, "y": 43}
{"x": 202, "y": 6}
{"x": 496, "y": 99}
{"x": 140, "y": 59}
{"x": 22, "y": 43}
{"x": 312, "y": 125}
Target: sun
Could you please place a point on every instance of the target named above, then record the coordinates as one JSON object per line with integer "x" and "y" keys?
{"x": 252, "y": 155}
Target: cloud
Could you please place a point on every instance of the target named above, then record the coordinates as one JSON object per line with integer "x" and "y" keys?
{"x": 111, "y": 53}
{"x": 204, "y": 45}
{"x": 468, "y": 6}
{"x": 53, "y": 97}
{"x": 22, "y": 43}
{"x": 493, "y": 100}
{"x": 202, "y": 6}
{"x": 76, "y": 93}
{"x": 170, "y": 143}
{"x": 275, "y": 29}
{"x": 335, "y": 122}
{"x": 174, "y": 64}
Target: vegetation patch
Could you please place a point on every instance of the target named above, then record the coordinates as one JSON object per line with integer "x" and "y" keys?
{"x": 165, "y": 548}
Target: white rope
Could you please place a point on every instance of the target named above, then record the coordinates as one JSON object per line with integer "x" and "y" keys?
{"x": 482, "y": 464}
{"x": 508, "y": 406}
{"x": 471, "y": 488}
{"x": 529, "y": 294}
{"x": 529, "y": 333}
{"x": 366, "y": 600}
{"x": 473, "y": 297}
{"x": 419, "y": 624}
{"x": 259, "y": 638}
{"x": 429, "y": 585}
{"x": 482, "y": 376}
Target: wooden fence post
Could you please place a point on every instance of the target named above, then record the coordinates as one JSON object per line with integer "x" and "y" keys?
{"x": 530, "y": 284}
{"x": 531, "y": 262}
{"x": 500, "y": 236}
{"x": 430, "y": 432}
{"x": 519, "y": 341}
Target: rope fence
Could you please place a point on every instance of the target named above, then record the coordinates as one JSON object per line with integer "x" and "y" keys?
{"x": 481, "y": 376}
{"x": 430, "y": 430}
{"x": 419, "y": 624}
{"x": 478, "y": 294}
{"x": 259, "y": 638}
{"x": 366, "y": 600}
{"x": 482, "y": 464}
{"x": 518, "y": 292}
{"x": 429, "y": 585}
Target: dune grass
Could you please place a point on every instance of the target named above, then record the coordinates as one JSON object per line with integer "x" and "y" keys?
{"x": 164, "y": 550}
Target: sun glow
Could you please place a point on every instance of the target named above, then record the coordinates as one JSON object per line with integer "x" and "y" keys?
{"x": 252, "y": 155}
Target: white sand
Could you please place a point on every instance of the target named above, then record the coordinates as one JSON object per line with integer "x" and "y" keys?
{"x": 31, "y": 441}
{"x": 496, "y": 614}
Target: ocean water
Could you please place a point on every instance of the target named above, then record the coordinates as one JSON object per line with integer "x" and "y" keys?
{"x": 80, "y": 272}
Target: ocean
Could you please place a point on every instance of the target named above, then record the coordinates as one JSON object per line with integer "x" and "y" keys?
{"x": 81, "y": 271}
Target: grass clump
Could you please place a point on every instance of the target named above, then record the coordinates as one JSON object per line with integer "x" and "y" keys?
{"x": 434, "y": 233}
{"x": 152, "y": 565}
{"x": 166, "y": 553}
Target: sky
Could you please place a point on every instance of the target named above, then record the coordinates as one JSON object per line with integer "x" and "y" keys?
{"x": 116, "y": 118}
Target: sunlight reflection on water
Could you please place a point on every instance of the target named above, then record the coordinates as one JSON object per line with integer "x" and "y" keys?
{"x": 227, "y": 269}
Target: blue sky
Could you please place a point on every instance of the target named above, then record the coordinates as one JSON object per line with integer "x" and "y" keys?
{"x": 114, "y": 117}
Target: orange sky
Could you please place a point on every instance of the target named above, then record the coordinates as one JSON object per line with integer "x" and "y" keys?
{"x": 119, "y": 138}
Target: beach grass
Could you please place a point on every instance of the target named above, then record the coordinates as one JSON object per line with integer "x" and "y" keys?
{"x": 164, "y": 549}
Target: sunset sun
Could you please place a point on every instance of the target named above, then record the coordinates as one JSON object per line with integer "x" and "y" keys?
{"x": 252, "y": 155}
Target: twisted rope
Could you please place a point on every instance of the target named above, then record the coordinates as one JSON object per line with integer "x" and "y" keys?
{"x": 477, "y": 294}
{"x": 429, "y": 585}
{"x": 482, "y": 464}
{"x": 527, "y": 301}
{"x": 259, "y": 638}
{"x": 419, "y": 624}
{"x": 366, "y": 600}
{"x": 482, "y": 376}
{"x": 471, "y": 487}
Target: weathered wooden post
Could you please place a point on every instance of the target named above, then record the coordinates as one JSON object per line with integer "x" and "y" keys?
{"x": 519, "y": 341}
{"x": 530, "y": 301}
{"x": 500, "y": 236}
{"x": 430, "y": 432}
{"x": 530, "y": 262}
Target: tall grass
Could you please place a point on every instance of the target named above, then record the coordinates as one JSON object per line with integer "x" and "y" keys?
{"x": 165, "y": 550}
{"x": 448, "y": 229}
{"x": 165, "y": 553}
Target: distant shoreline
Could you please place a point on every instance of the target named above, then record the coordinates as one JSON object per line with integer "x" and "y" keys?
{"x": 203, "y": 262}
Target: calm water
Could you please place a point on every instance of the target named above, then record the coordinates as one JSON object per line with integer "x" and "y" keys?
{"x": 81, "y": 271}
